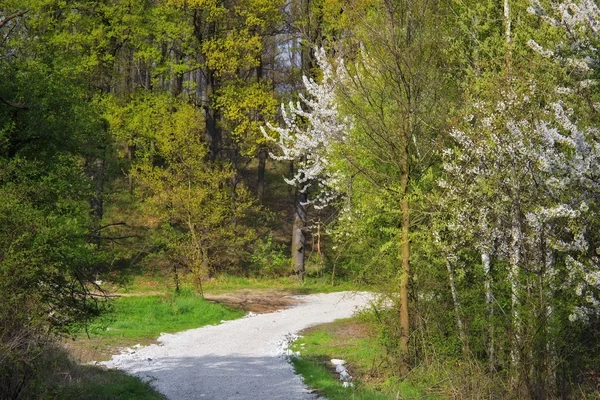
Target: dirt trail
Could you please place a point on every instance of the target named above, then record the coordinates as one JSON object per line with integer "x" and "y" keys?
{"x": 240, "y": 359}
{"x": 258, "y": 301}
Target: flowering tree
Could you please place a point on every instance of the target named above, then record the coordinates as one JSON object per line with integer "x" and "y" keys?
{"x": 521, "y": 186}
{"x": 310, "y": 129}
{"x": 573, "y": 171}
{"x": 311, "y": 126}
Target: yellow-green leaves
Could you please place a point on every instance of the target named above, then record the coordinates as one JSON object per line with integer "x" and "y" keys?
{"x": 245, "y": 106}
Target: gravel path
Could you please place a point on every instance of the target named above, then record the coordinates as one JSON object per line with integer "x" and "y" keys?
{"x": 240, "y": 359}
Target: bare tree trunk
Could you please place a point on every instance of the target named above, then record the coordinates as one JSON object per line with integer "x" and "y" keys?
{"x": 177, "y": 83}
{"x": 551, "y": 356}
{"x": 489, "y": 305}
{"x": 508, "y": 33}
{"x": 516, "y": 237}
{"x": 130, "y": 156}
{"x": 513, "y": 277}
{"x": 95, "y": 171}
{"x": 262, "y": 163}
{"x": 544, "y": 371}
{"x": 213, "y": 131}
{"x": 457, "y": 309}
{"x": 203, "y": 269}
{"x": 405, "y": 258}
{"x": 298, "y": 235}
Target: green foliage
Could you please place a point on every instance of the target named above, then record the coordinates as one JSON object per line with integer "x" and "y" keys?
{"x": 245, "y": 107}
{"x": 191, "y": 198}
{"x": 268, "y": 259}
{"x": 49, "y": 127}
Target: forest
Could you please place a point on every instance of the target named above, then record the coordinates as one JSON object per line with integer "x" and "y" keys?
{"x": 442, "y": 153}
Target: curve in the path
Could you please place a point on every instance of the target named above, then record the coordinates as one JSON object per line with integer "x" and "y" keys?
{"x": 240, "y": 359}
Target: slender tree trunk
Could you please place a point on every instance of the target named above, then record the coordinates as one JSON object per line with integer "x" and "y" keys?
{"x": 130, "y": 156}
{"x": 298, "y": 235}
{"x": 95, "y": 170}
{"x": 203, "y": 270}
{"x": 545, "y": 370}
{"x": 213, "y": 131}
{"x": 176, "y": 276}
{"x": 262, "y": 164}
{"x": 405, "y": 258}
{"x": 513, "y": 277}
{"x": 489, "y": 305}
{"x": 262, "y": 154}
{"x": 508, "y": 34}
{"x": 516, "y": 236}
{"x": 457, "y": 309}
{"x": 177, "y": 83}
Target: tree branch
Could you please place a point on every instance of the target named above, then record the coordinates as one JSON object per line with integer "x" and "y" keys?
{"x": 14, "y": 105}
{"x": 7, "y": 19}
{"x": 110, "y": 225}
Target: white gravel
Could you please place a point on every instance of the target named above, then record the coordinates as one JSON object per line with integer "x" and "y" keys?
{"x": 240, "y": 359}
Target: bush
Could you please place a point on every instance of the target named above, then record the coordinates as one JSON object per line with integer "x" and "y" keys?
{"x": 269, "y": 259}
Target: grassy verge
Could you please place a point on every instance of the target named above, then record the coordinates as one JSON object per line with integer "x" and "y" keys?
{"x": 141, "y": 319}
{"x": 350, "y": 340}
{"x": 149, "y": 316}
{"x": 157, "y": 283}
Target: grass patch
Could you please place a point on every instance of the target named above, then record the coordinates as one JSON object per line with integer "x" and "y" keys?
{"x": 350, "y": 340}
{"x": 141, "y": 319}
{"x": 149, "y": 316}
{"x": 226, "y": 283}
{"x": 159, "y": 284}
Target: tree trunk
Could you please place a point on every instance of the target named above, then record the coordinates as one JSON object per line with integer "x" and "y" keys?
{"x": 298, "y": 235}
{"x": 213, "y": 131}
{"x": 405, "y": 258}
{"x": 489, "y": 304}
{"x": 457, "y": 309}
{"x": 130, "y": 156}
{"x": 177, "y": 83}
{"x": 513, "y": 277}
{"x": 262, "y": 164}
{"x": 95, "y": 170}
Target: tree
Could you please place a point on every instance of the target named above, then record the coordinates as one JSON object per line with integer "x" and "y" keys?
{"x": 394, "y": 89}
{"x": 188, "y": 195}
{"x": 48, "y": 126}
{"x": 520, "y": 165}
{"x": 311, "y": 127}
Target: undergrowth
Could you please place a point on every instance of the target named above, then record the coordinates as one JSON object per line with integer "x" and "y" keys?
{"x": 352, "y": 341}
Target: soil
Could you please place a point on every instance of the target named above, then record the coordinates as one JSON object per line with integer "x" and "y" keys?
{"x": 258, "y": 301}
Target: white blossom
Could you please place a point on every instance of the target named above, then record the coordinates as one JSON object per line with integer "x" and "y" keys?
{"x": 311, "y": 126}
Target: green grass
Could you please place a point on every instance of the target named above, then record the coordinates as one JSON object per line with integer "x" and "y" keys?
{"x": 351, "y": 341}
{"x": 228, "y": 283}
{"x": 225, "y": 283}
{"x": 149, "y": 316}
{"x": 318, "y": 377}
